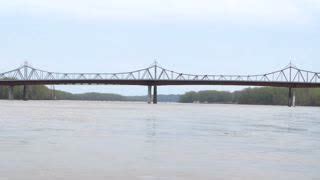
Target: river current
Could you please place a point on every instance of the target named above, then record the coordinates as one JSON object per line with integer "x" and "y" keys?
{"x": 81, "y": 140}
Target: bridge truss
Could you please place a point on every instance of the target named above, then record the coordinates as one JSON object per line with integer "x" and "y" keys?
{"x": 155, "y": 75}
{"x": 289, "y": 74}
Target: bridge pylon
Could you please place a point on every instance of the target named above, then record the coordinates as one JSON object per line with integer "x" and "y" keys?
{"x": 10, "y": 92}
{"x": 149, "y": 94}
{"x": 291, "y": 97}
{"x": 155, "y": 94}
{"x": 25, "y": 92}
{"x": 152, "y": 98}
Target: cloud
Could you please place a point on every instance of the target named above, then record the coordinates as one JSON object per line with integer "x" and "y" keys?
{"x": 261, "y": 11}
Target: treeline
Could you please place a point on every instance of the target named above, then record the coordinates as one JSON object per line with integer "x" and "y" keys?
{"x": 207, "y": 97}
{"x": 36, "y": 92}
{"x": 41, "y": 92}
{"x": 265, "y": 96}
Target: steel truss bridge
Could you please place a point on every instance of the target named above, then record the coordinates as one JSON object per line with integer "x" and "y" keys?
{"x": 155, "y": 75}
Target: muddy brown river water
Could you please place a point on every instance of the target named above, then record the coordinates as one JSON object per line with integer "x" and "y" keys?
{"x": 78, "y": 140}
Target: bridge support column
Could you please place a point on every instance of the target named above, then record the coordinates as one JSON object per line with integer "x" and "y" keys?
{"x": 291, "y": 97}
{"x": 25, "y": 92}
{"x": 149, "y": 94}
{"x": 155, "y": 94}
{"x": 10, "y": 92}
{"x": 294, "y": 98}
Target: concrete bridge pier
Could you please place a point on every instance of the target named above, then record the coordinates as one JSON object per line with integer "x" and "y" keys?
{"x": 155, "y": 94}
{"x": 10, "y": 92}
{"x": 25, "y": 92}
{"x": 149, "y": 94}
{"x": 152, "y": 98}
{"x": 291, "y": 98}
{"x": 294, "y": 98}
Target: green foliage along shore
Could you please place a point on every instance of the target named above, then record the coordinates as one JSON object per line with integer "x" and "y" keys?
{"x": 37, "y": 92}
{"x": 40, "y": 92}
{"x": 44, "y": 93}
{"x": 265, "y": 96}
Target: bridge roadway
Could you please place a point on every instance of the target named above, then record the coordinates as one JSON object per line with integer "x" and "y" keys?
{"x": 289, "y": 77}
{"x": 158, "y": 83}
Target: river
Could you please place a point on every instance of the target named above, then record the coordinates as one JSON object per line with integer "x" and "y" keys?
{"x": 81, "y": 140}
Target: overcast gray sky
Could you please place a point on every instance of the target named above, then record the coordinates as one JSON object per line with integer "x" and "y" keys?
{"x": 192, "y": 36}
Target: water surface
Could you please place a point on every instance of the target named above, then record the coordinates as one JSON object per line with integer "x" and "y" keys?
{"x": 80, "y": 140}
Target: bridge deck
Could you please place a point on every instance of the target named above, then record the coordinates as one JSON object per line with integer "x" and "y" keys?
{"x": 160, "y": 83}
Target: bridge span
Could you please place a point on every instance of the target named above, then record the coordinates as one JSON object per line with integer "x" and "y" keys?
{"x": 290, "y": 77}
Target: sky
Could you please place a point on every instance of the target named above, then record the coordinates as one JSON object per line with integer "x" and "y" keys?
{"x": 191, "y": 36}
